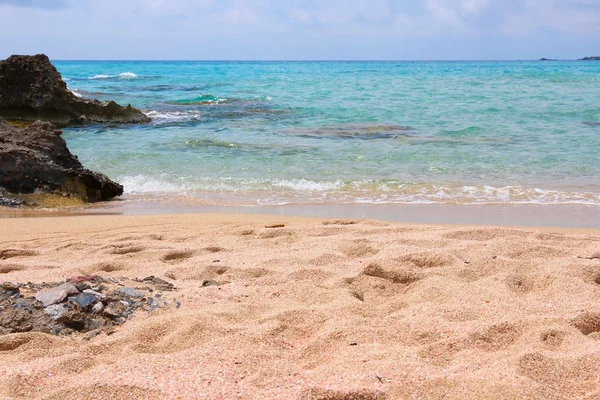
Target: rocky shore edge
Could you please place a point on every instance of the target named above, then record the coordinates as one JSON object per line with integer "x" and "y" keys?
{"x": 36, "y": 167}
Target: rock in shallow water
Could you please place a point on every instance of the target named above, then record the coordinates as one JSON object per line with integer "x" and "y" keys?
{"x": 36, "y": 159}
{"x": 32, "y": 89}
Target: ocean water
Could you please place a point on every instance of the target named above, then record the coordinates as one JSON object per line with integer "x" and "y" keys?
{"x": 269, "y": 133}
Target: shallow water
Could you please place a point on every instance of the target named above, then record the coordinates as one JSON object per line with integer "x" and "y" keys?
{"x": 248, "y": 133}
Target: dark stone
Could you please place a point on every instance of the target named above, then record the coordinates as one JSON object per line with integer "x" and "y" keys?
{"x": 7, "y": 200}
{"x": 10, "y": 286}
{"x": 115, "y": 310}
{"x": 130, "y": 292}
{"x": 210, "y": 283}
{"x": 82, "y": 286}
{"x": 36, "y": 159}
{"x": 32, "y": 89}
{"x": 594, "y": 58}
{"x": 159, "y": 283}
{"x": 86, "y": 300}
{"x": 73, "y": 319}
{"x": 55, "y": 311}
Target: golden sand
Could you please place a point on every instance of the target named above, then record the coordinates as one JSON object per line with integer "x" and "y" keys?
{"x": 316, "y": 309}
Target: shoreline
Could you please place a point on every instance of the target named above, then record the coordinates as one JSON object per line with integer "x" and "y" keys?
{"x": 500, "y": 215}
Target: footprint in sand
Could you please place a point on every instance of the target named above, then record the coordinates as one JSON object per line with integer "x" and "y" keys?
{"x": 107, "y": 392}
{"x": 271, "y": 234}
{"x": 427, "y": 260}
{"x": 571, "y": 377}
{"x": 552, "y": 338}
{"x": 588, "y": 323}
{"x": 127, "y": 249}
{"x": 520, "y": 283}
{"x": 357, "y": 249}
{"x": 10, "y": 253}
{"x": 496, "y": 337}
{"x": 361, "y": 394}
{"x": 341, "y": 222}
{"x": 177, "y": 256}
{"x": 5, "y": 269}
{"x": 395, "y": 275}
{"x": 108, "y": 267}
{"x": 214, "y": 249}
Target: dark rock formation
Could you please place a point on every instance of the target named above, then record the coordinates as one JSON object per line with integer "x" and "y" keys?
{"x": 32, "y": 89}
{"x": 548, "y": 59}
{"x": 596, "y": 58}
{"x": 36, "y": 159}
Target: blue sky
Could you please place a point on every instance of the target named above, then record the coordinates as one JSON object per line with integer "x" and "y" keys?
{"x": 301, "y": 29}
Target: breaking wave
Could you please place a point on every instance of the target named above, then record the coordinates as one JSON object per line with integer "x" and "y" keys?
{"x": 248, "y": 191}
{"x": 122, "y": 75}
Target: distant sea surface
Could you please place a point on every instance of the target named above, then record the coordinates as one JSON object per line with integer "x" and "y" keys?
{"x": 272, "y": 133}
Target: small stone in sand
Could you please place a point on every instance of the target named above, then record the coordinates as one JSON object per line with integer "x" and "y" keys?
{"x": 55, "y": 311}
{"x": 210, "y": 283}
{"x": 55, "y": 294}
{"x": 275, "y": 226}
{"x": 130, "y": 292}
{"x": 85, "y": 300}
{"x": 10, "y": 286}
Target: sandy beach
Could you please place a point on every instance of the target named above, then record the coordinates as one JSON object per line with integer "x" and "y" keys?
{"x": 314, "y": 309}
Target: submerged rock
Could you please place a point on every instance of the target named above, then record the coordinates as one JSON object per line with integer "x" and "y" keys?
{"x": 36, "y": 159}
{"x": 32, "y": 89}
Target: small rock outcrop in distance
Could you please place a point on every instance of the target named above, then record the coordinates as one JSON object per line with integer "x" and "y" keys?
{"x": 595, "y": 58}
{"x": 36, "y": 160}
{"x": 548, "y": 59}
{"x": 32, "y": 89}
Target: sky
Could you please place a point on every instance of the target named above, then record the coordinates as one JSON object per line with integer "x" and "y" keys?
{"x": 300, "y": 29}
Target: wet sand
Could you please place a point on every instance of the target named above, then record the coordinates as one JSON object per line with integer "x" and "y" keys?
{"x": 317, "y": 309}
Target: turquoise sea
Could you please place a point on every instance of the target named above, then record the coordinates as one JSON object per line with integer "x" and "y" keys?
{"x": 267, "y": 133}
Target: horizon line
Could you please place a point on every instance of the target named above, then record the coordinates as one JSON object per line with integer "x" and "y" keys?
{"x": 318, "y": 60}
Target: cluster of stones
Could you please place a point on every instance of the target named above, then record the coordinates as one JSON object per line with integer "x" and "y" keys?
{"x": 85, "y": 304}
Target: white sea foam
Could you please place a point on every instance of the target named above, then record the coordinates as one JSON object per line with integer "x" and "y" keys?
{"x": 169, "y": 117}
{"x": 122, "y": 75}
{"x": 127, "y": 75}
{"x": 101, "y": 77}
{"x": 284, "y": 191}
{"x": 76, "y": 93}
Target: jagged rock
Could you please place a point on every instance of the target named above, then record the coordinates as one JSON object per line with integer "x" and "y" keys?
{"x": 85, "y": 300}
{"x": 32, "y": 89}
{"x": 55, "y": 311}
{"x": 115, "y": 309}
{"x": 36, "y": 158}
{"x": 55, "y": 294}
